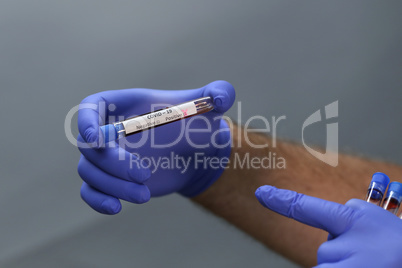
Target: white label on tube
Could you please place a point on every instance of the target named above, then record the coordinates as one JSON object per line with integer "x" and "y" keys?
{"x": 159, "y": 117}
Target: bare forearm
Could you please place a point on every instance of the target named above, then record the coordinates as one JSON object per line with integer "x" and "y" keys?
{"x": 232, "y": 196}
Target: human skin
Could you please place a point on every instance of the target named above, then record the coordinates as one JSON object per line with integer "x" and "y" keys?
{"x": 232, "y": 195}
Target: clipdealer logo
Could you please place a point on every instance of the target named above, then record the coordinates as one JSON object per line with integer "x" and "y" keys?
{"x": 331, "y": 155}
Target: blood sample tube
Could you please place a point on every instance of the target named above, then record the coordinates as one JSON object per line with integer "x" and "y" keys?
{"x": 377, "y": 187}
{"x": 393, "y": 198}
{"x": 157, "y": 118}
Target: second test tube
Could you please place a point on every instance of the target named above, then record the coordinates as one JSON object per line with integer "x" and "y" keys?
{"x": 393, "y": 198}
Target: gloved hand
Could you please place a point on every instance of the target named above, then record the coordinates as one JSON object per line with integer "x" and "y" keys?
{"x": 171, "y": 158}
{"x": 360, "y": 234}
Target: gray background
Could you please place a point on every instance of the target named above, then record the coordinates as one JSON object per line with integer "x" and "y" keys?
{"x": 283, "y": 57}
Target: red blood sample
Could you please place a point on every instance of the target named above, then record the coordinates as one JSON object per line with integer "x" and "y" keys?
{"x": 392, "y": 204}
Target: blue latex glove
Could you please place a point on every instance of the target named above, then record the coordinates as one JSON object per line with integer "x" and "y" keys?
{"x": 360, "y": 234}
{"x": 109, "y": 178}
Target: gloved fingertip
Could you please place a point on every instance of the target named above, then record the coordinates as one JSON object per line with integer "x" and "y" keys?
{"x": 258, "y": 195}
{"x": 265, "y": 189}
{"x": 219, "y": 101}
{"x": 358, "y": 203}
{"x": 91, "y": 136}
{"x": 111, "y": 207}
{"x": 222, "y": 102}
{"x": 145, "y": 196}
{"x": 222, "y": 93}
{"x": 139, "y": 175}
{"x": 262, "y": 192}
{"x": 257, "y": 192}
{"x": 146, "y": 174}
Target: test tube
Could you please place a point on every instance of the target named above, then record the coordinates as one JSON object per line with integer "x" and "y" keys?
{"x": 393, "y": 198}
{"x": 157, "y": 118}
{"x": 377, "y": 187}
